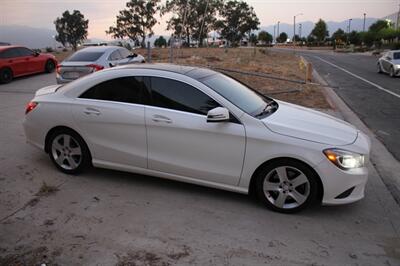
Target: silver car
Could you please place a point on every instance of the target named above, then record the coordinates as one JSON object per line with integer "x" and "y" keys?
{"x": 92, "y": 59}
{"x": 390, "y": 63}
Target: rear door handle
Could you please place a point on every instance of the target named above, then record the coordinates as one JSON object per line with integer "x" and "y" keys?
{"x": 161, "y": 118}
{"x": 91, "y": 111}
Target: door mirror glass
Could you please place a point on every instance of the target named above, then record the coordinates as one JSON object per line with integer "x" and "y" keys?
{"x": 219, "y": 114}
{"x": 388, "y": 58}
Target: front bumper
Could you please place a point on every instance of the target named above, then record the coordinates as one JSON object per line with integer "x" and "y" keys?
{"x": 345, "y": 186}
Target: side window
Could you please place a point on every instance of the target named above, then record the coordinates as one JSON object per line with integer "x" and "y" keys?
{"x": 114, "y": 56}
{"x": 124, "y": 53}
{"x": 172, "y": 94}
{"x": 25, "y": 52}
{"x": 125, "y": 89}
{"x": 9, "y": 53}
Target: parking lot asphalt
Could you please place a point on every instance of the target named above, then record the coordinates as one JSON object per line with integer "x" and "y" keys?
{"x": 103, "y": 217}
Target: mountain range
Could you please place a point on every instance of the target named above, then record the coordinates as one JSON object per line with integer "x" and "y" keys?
{"x": 43, "y": 37}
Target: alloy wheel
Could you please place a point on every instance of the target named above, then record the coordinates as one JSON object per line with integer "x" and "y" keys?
{"x": 286, "y": 187}
{"x": 66, "y": 151}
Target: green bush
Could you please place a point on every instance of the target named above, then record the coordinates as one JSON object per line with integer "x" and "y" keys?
{"x": 49, "y": 49}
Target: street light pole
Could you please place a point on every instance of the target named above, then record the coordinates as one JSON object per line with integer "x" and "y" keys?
{"x": 364, "y": 22}
{"x": 294, "y": 29}
{"x": 274, "y": 32}
{"x": 300, "y": 30}
{"x": 277, "y": 32}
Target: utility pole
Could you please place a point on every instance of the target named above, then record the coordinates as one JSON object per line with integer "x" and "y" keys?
{"x": 274, "y": 33}
{"x": 277, "y": 32}
{"x": 294, "y": 29}
{"x": 348, "y": 30}
{"x": 364, "y": 22}
{"x": 398, "y": 19}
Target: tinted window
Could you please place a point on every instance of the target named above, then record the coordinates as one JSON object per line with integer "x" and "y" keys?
{"x": 25, "y": 52}
{"x": 396, "y": 55}
{"x": 126, "y": 89}
{"x": 235, "y": 92}
{"x": 9, "y": 53}
{"x": 84, "y": 56}
{"x": 115, "y": 56}
{"x": 177, "y": 95}
{"x": 124, "y": 53}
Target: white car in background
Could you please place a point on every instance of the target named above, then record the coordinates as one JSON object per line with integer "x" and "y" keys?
{"x": 203, "y": 127}
{"x": 390, "y": 63}
{"x": 92, "y": 59}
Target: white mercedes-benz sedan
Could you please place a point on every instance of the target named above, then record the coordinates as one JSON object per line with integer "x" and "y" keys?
{"x": 199, "y": 126}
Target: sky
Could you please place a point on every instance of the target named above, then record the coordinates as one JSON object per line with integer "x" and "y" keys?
{"x": 102, "y": 13}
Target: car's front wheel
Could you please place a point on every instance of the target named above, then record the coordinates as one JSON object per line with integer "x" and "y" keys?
{"x": 286, "y": 186}
{"x": 69, "y": 152}
{"x": 6, "y": 75}
{"x": 378, "y": 68}
{"x": 391, "y": 72}
{"x": 50, "y": 66}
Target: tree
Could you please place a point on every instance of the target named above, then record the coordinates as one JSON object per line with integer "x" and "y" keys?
{"x": 320, "y": 31}
{"x": 253, "y": 39}
{"x": 354, "y": 38}
{"x": 379, "y": 25}
{"x": 71, "y": 28}
{"x": 191, "y": 18}
{"x": 136, "y": 21}
{"x": 339, "y": 36}
{"x": 265, "y": 37}
{"x": 282, "y": 37}
{"x": 237, "y": 19}
{"x": 160, "y": 41}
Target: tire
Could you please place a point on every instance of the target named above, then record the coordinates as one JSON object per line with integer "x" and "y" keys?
{"x": 276, "y": 187}
{"x": 50, "y": 66}
{"x": 379, "y": 68}
{"x": 6, "y": 75}
{"x": 69, "y": 152}
{"x": 391, "y": 72}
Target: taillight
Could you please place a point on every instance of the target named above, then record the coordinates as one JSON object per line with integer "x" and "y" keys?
{"x": 95, "y": 67}
{"x": 30, "y": 106}
{"x": 58, "y": 69}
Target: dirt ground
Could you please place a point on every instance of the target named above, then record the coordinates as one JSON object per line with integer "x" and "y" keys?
{"x": 257, "y": 60}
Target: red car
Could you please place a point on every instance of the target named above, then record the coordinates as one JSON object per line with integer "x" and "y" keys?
{"x": 18, "y": 61}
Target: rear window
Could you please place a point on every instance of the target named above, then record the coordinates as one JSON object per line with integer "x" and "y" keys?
{"x": 396, "y": 55}
{"x": 84, "y": 56}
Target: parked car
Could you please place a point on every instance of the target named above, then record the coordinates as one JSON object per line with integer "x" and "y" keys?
{"x": 203, "y": 127}
{"x": 92, "y": 59}
{"x": 390, "y": 63}
{"x": 16, "y": 61}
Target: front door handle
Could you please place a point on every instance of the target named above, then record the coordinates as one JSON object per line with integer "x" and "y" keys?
{"x": 161, "y": 118}
{"x": 91, "y": 111}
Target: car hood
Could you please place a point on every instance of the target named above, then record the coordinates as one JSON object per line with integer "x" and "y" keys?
{"x": 396, "y": 61}
{"x": 307, "y": 124}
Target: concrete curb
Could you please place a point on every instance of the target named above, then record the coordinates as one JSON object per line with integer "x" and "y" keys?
{"x": 383, "y": 161}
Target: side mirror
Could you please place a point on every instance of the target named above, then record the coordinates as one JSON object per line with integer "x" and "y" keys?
{"x": 132, "y": 55}
{"x": 219, "y": 114}
{"x": 112, "y": 65}
{"x": 36, "y": 54}
{"x": 388, "y": 58}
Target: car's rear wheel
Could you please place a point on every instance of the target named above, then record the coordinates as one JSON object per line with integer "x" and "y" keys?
{"x": 6, "y": 75}
{"x": 286, "y": 186}
{"x": 391, "y": 72}
{"x": 69, "y": 152}
{"x": 378, "y": 68}
{"x": 50, "y": 66}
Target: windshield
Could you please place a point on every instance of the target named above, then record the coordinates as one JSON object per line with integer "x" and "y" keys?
{"x": 84, "y": 56}
{"x": 396, "y": 55}
{"x": 237, "y": 93}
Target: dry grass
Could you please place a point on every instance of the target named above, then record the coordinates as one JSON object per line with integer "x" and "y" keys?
{"x": 261, "y": 60}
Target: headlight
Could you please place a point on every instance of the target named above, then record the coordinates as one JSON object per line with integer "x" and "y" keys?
{"x": 345, "y": 159}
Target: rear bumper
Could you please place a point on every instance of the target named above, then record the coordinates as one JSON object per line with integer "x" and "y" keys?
{"x": 61, "y": 80}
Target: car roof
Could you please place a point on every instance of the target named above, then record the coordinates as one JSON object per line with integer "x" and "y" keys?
{"x": 190, "y": 71}
{"x": 99, "y": 49}
{"x": 3, "y": 48}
